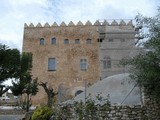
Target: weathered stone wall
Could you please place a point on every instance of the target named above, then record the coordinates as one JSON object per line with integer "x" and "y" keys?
{"x": 149, "y": 111}
{"x": 124, "y": 113}
{"x": 152, "y": 107}
{"x": 68, "y": 72}
{"x": 118, "y": 42}
{"x": 136, "y": 112}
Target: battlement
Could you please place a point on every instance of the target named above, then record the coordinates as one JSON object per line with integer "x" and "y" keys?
{"x": 88, "y": 23}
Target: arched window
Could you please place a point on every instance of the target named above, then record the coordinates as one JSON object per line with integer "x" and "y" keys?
{"x": 41, "y": 41}
{"x": 88, "y": 41}
{"x": 78, "y": 92}
{"x": 53, "y": 41}
{"x": 107, "y": 62}
{"x": 66, "y": 41}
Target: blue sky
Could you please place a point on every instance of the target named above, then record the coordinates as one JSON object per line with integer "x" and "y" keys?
{"x": 14, "y": 13}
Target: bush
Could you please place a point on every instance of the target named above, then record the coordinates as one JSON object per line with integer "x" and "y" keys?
{"x": 42, "y": 113}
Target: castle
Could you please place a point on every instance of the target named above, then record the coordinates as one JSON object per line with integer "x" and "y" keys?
{"x": 72, "y": 57}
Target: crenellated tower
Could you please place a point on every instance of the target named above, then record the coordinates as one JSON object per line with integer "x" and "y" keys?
{"x": 72, "y": 56}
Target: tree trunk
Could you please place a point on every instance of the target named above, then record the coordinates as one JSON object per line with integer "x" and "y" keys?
{"x": 27, "y": 103}
{"x": 50, "y": 93}
{"x": 49, "y": 102}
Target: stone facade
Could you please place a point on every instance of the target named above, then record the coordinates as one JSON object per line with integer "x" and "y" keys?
{"x": 67, "y": 73}
{"x": 101, "y": 45}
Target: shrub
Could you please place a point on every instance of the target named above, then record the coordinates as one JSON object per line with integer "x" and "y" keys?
{"x": 42, "y": 113}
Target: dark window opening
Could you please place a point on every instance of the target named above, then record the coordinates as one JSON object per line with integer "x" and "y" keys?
{"x": 77, "y": 41}
{"x": 107, "y": 62}
{"x": 89, "y": 41}
{"x": 66, "y": 41}
{"x": 99, "y": 40}
{"x": 78, "y": 92}
{"x": 104, "y": 64}
{"x": 53, "y": 41}
{"x": 41, "y": 41}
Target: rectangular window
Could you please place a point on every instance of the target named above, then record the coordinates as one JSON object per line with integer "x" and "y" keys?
{"x": 88, "y": 41}
{"x": 53, "y": 41}
{"x": 51, "y": 64}
{"x": 66, "y": 41}
{"x": 108, "y": 63}
{"x": 104, "y": 64}
{"x": 41, "y": 41}
{"x": 77, "y": 41}
{"x": 83, "y": 64}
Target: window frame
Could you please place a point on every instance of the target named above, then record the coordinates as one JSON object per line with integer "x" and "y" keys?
{"x": 104, "y": 64}
{"x": 52, "y": 67}
{"x": 66, "y": 41}
{"x": 83, "y": 64}
{"x": 54, "y": 41}
{"x": 41, "y": 41}
{"x": 89, "y": 41}
{"x": 107, "y": 63}
{"x": 77, "y": 41}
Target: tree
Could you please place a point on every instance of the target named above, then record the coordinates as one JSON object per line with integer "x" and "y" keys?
{"x": 24, "y": 84}
{"x": 145, "y": 67}
{"x": 17, "y": 66}
{"x": 50, "y": 93}
{"x": 9, "y": 65}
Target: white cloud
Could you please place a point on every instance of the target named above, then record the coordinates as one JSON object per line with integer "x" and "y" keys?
{"x": 102, "y": 9}
{"x": 14, "y": 13}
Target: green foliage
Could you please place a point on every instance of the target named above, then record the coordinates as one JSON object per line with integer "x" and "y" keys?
{"x": 27, "y": 90}
{"x": 24, "y": 105}
{"x": 145, "y": 67}
{"x": 31, "y": 87}
{"x": 9, "y": 63}
{"x": 26, "y": 62}
{"x": 15, "y": 65}
{"x": 62, "y": 111}
{"x": 24, "y": 84}
{"x": 88, "y": 110}
{"x": 42, "y": 113}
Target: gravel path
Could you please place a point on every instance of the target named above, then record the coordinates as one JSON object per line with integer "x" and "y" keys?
{"x": 11, "y": 117}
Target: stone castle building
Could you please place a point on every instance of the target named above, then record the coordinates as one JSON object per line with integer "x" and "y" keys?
{"x": 71, "y": 57}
